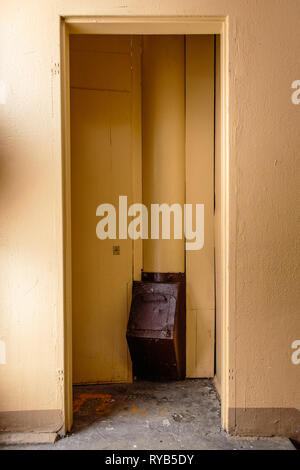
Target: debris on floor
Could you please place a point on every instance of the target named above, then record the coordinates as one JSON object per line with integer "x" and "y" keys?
{"x": 152, "y": 415}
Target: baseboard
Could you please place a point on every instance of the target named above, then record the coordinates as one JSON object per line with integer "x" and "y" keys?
{"x": 31, "y": 421}
{"x": 265, "y": 422}
{"x": 13, "y": 438}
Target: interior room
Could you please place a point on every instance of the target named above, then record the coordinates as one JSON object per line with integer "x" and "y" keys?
{"x": 142, "y": 120}
{"x": 142, "y": 126}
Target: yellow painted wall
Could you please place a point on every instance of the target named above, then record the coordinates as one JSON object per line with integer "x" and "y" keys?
{"x": 178, "y": 166}
{"x": 200, "y": 289}
{"x": 163, "y": 127}
{"x": 217, "y": 222}
{"x": 102, "y": 95}
{"x": 264, "y": 142}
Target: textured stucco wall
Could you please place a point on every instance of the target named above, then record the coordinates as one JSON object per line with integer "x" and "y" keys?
{"x": 264, "y": 143}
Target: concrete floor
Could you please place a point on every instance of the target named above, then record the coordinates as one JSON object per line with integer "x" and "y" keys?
{"x": 144, "y": 415}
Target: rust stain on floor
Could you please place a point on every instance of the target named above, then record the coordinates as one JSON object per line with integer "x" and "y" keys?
{"x": 102, "y": 404}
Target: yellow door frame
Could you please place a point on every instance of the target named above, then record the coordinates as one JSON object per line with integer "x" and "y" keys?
{"x": 143, "y": 25}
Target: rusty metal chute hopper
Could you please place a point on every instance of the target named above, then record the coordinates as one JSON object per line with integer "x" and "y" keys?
{"x": 156, "y": 327}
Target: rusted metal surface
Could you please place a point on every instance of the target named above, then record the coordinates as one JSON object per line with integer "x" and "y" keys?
{"x": 163, "y": 277}
{"x": 156, "y": 326}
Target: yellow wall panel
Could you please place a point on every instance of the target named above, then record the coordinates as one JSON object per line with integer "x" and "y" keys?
{"x": 163, "y": 141}
{"x": 200, "y": 189}
{"x": 102, "y": 161}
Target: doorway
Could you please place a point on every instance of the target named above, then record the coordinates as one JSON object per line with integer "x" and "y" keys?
{"x": 177, "y": 89}
{"x": 135, "y": 249}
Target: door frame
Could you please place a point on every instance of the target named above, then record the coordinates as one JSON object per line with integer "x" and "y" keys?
{"x": 142, "y": 25}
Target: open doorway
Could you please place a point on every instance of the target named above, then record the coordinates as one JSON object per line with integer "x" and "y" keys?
{"x": 197, "y": 345}
{"x": 129, "y": 96}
